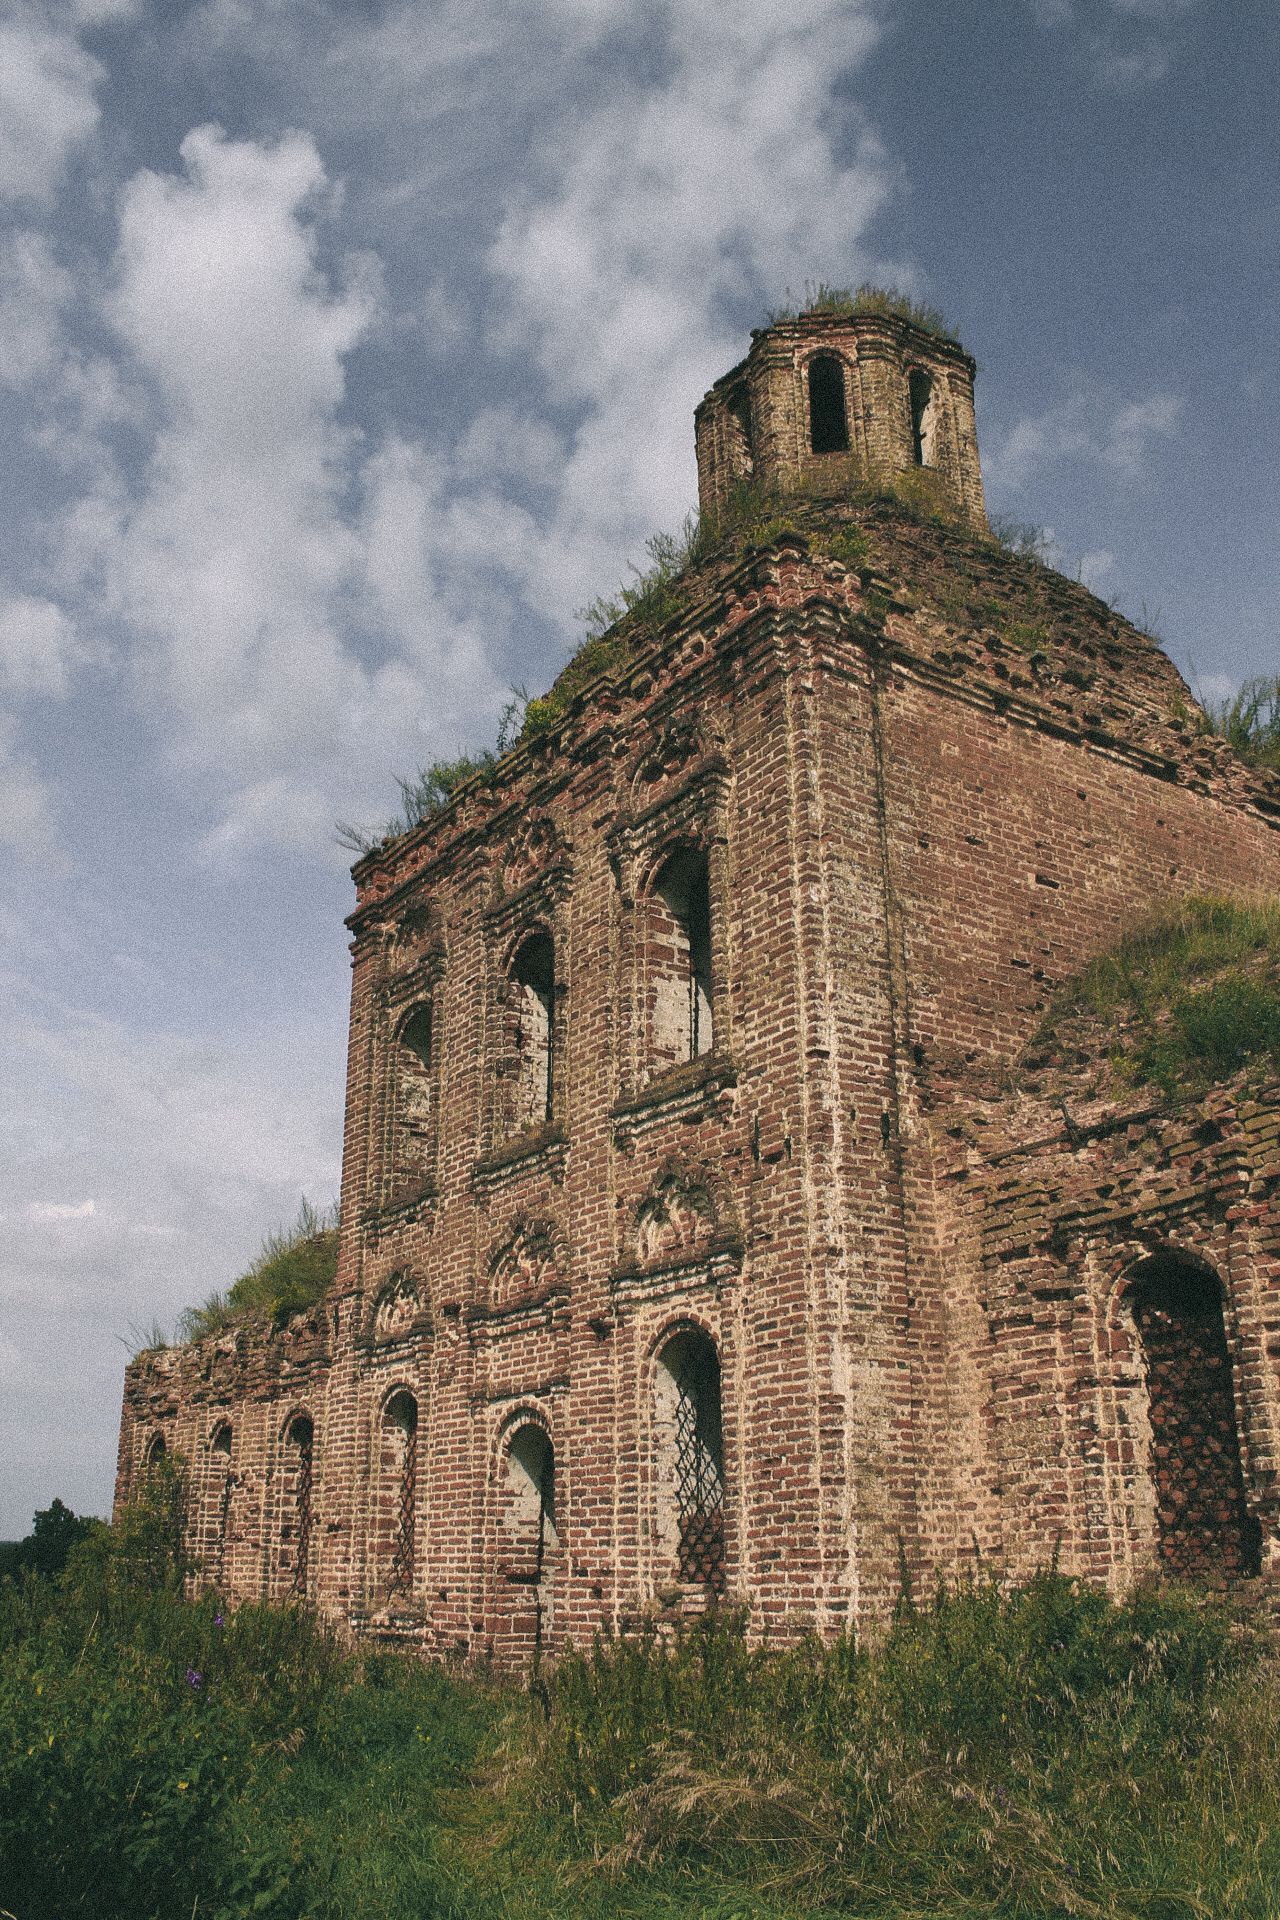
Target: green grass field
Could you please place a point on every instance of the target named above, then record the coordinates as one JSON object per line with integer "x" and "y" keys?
{"x": 1034, "y": 1752}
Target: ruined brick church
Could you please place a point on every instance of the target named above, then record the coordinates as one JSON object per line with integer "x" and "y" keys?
{"x": 715, "y": 1217}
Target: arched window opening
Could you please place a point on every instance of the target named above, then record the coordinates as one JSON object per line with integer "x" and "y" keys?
{"x": 828, "y": 418}
{"x": 1204, "y": 1529}
{"x": 738, "y": 426}
{"x": 220, "y": 1483}
{"x": 921, "y": 391}
{"x": 155, "y": 1453}
{"x": 691, "y": 1460}
{"x": 398, "y": 1491}
{"x": 679, "y": 960}
{"x": 412, "y": 1100}
{"x": 299, "y": 1470}
{"x": 533, "y": 979}
{"x": 529, "y": 1526}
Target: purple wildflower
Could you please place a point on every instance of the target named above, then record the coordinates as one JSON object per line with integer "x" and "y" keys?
{"x": 218, "y": 1620}
{"x": 194, "y": 1679}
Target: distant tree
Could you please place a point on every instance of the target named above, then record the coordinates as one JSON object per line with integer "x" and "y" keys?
{"x": 54, "y": 1531}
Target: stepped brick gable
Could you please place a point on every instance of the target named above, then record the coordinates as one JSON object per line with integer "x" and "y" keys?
{"x": 704, "y": 1228}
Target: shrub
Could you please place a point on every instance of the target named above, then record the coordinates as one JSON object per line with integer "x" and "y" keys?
{"x": 422, "y": 794}
{"x": 819, "y": 297}
{"x": 1022, "y": 538}
{"x": 294, "y": 1271}
{"x": 1250, "y": 722}
{"x": 1194, "y": 991}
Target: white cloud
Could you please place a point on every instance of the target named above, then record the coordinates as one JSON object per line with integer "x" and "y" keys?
{"x": 652, "y": 214}
{"x": 26, "y": 801}
{"x": 1088, "y": 426}
{"x": 164, "y": 1157}
{"x": 1127, "y": 441}
{"x": 37, "y": 645}
{"x": 1126, "y": 44}
{"x": 1214, "y": 689}
{"x": 34, "y": 294}
{"x": 1126, "y": 69}
{"x": 1162, "y": 12}
{"x": 264, "y": 537}
{"x": 47, "y": 106}
{"x": 51, "y": 1210}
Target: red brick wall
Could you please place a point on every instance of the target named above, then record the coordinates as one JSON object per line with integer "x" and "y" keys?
{"x": 902, "y": 864}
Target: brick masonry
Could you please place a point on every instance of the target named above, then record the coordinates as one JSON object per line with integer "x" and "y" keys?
{"x": 732, "y": 1254}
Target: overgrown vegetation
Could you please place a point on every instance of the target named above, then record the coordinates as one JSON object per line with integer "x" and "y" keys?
{"x": 1250, "y": 721}
{"x": 1018, "y": 1754}
{"x": 1022, "y": 538}
{"x": 162, "y": 1759}
{"x": 294, "y": 1270}
{"x": 432, "y": 788}
{"x": 819, "y": 297}
{"x": 1191, "y": 997}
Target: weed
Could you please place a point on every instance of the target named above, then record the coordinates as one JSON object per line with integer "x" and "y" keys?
{"x": 1250, "y": 721}
{"x": 849, "y": 302}
{"x": 294, "y": 1270}
{"x": 1022, "y": 538}
{"x": 1195, "y": 988}
{"x": 1022, "y": 1753}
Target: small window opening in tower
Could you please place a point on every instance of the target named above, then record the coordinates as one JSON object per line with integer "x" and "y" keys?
{"x": 679, "y": 959}
{"x": 1205, "y": 1530}
{"x": 533, "y": 976}
{"x": 921, "y": 391}
{"x": 399, "y": 1491}
{"x": 412, "y": 1100}
{"x": 738, "y": 420}
{"x": 691, "y": 1459}
{"x": 828, "y": 418}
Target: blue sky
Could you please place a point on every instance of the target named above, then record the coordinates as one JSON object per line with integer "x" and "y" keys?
{"x": 345, "y": 351}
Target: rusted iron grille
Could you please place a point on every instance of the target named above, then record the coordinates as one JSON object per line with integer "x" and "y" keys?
{"x": 299, "y": 1585}
{"x": 402, "y": 1560}
{"x": 224, "y": 1526}
{"x": 699, "y": 1490}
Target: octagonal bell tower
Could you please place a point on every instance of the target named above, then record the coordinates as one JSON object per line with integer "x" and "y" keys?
{"x": 829, "y": 402}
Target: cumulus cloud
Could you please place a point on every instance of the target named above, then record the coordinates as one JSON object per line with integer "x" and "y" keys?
{"x": 37, "y": 645}
{"x": 48, "y": 105}
{"x": 651, "y": 216}
{"x": 1089, "y": 427}
{"x": 34, "y": 294}
{"x": 238, "y": 561}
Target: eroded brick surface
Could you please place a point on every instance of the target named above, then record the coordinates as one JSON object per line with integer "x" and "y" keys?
{"x": 924, "y": 786}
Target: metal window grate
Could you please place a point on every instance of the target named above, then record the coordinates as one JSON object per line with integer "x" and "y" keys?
{"x": 402, "y": 1559}
{"x": 303, "y": 1501}
{"x": 224, "y": 1528}
{"x": 699, "y": 1483}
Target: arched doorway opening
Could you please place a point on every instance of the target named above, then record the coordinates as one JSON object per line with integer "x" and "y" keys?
{"x": 1204, "y": 1530}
